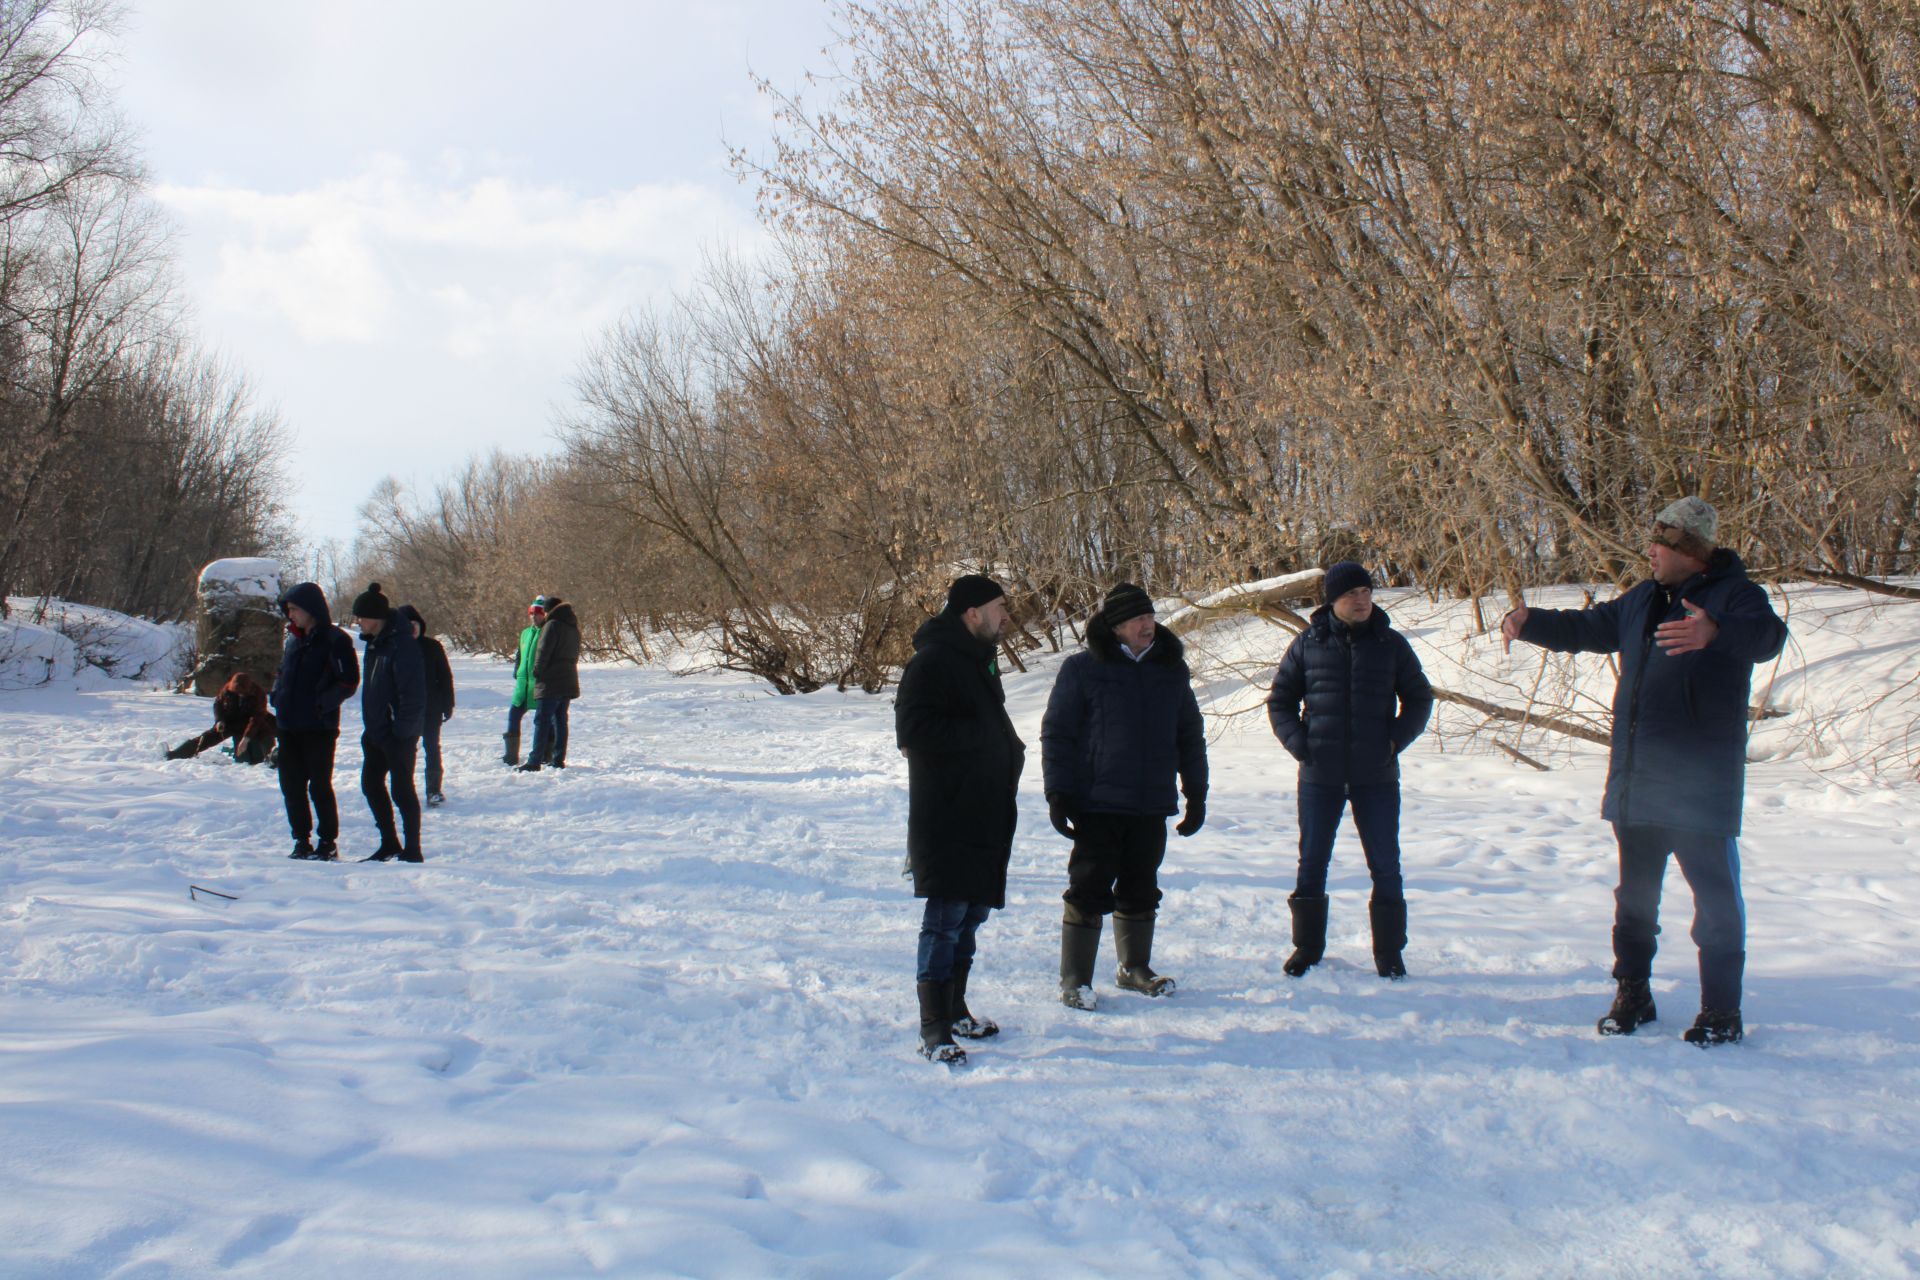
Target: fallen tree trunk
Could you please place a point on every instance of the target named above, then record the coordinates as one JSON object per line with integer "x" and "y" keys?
{"x": 1865, "y": 584}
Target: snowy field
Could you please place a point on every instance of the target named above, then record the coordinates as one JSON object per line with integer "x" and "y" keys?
{"x": 654, "y": 1016}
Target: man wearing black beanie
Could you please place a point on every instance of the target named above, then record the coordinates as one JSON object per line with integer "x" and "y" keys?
{"x": 1365, "y": 699}
{"x": 1121, "y": 724}
{"x": 393, "y": 710}
{"x": 963, "y": 769}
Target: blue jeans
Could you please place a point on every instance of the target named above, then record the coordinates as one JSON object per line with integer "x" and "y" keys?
{"x": 1711, "y": 865}
{"x": 946, "y": 937}
{"x": 515, "y": 714}
{"x": 549, "y": 731}
{"x": 1376, "y": 811}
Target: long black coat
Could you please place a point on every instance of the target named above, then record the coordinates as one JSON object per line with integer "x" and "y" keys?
{"x": 318, "y": 670}
{"x": 439, "y": 671}
{"x": 556, "y": 655}
{"x": 1679, "y": 721}
{"x": 1346, "y": 702}
{"x": 963, "y": 765}
{"x": 393, "y": 698}
{"x": 1116, "y": 731}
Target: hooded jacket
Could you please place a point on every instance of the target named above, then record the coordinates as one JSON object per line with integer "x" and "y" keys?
{"x": 1679, "y": 755}
{"x": 963, "y": 765}
{"x": 433, "y": 656}
{"x": 240, "y": 710}
{"x": 318, "y": 670}
{"x": 1117, "y": 732}
{"x": 556, "y": 654}
{"x": 393, "y": 698}
{"x": 1346, "y": 701}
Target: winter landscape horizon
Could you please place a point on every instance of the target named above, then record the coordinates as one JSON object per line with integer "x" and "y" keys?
{"x": 653, "y": 1016}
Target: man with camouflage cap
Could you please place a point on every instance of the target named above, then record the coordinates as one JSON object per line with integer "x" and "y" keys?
{"x": 1688, "y": 639}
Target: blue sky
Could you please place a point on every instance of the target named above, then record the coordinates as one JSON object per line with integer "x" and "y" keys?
{"x": 406, "y": 221}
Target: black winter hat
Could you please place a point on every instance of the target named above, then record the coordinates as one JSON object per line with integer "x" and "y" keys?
{"x": 1344, "y": 577}
{"x": 972, "y": 591}
{"x": 371, "y": 604}
{"x": 1124, "y": 603}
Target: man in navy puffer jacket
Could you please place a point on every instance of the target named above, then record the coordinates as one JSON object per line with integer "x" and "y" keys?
{"x": 1121, "y": 723}
{"x": 1348, "y": 698}
{"x": 1688, "y": 639}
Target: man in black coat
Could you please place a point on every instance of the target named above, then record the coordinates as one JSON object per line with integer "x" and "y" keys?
{"x": 556, "y": 683}
{"x": 1121, "y": 723}
{"x": 433, "y": 656}
{"x": 1348, "y": 698}
{"x": 963, "y": 769}
{"x": 393, "y": 711}
{"x": 318, "y": 672}
{"x": 1688, "y": 640}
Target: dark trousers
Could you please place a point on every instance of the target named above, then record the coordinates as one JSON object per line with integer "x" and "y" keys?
{"x": 549, "y": 731}
{"x": 947, "y": 927}
{"x": 515, "y": 714}
{"x": 257, "y": 748}
{"x": 306, "y": 771}
{"x": 1711, "y": 865}
{"x": 430, "y": 750}
{"x": 1115, "y": 864}
{"x": 390, "y": 768}
{"x": 1376, "y": 812}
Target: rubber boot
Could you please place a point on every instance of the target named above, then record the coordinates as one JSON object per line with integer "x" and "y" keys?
{"x": 1389, "y": 917}
{"x": 936, "y": 1023}
{"x": 965, "y": 1025}
{"x": 1133, "y": 939}
{"x": 1079, "y": 951}
{"x": 1309, "y": 934}
{"x": 512, "y": 755}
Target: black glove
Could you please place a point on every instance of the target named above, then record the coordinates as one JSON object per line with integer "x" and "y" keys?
{"x": 1195, "y": 819}
{"x": 1059, "y": 815}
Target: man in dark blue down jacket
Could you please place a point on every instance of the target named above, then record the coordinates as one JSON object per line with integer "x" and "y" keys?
{"x": 963, "y": 776}
{"x": 393, "y": 711}
{"x": 1348, "y": 698}
{"x": 1121, "y": 724}
{"x": 1688, "y": 639}
{"x": 318, "y": 672}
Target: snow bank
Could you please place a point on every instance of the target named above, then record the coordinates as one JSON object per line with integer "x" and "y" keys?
{"x": 53, "y": 642}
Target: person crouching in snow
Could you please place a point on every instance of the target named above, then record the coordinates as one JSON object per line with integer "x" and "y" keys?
{"x": 433, "y": 655}
{"x": 240, "y": 713}
{"x": 1365, "y": 700}
{"x": 1120, "y": 724}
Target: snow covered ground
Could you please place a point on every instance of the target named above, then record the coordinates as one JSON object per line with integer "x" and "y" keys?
{"x": 652, "y": 1016}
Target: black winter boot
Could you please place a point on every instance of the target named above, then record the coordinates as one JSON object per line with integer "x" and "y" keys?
{"x": 1715, "y": 1026}
{"x": 965, "y": 1025}
{"x": 1079, "y": 950}
{"x": 1133, "y": 939}
{"x": 1309, "y": 934}
{"x": 1389, "y": 918}
{"x": 302, "y": 849}
{"x": 1632, "y": 1006}
{"x": 512, "y": 755}
{"x": 936, "y": 1023}
{"x": 326, "y": 850}
{"x": 389, "y": 848}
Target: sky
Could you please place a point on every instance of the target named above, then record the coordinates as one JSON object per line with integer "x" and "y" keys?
{"x": 406, "y": 222}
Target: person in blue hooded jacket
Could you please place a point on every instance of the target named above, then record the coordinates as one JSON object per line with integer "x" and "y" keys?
{"x": 393, "y": 712}
{"x": 1688, "y": 639}
{"x": 318, "y": 672}
{"x": 1348, "y": 697}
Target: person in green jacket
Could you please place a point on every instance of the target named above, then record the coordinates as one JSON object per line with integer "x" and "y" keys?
{"x": 523, "y": 677}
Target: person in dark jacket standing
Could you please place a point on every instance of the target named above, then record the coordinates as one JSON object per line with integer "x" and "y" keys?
{"x": 393, "y": 711}
{"x": 523, "y": 679}
{"x": 1688, "y": 640}
{"x": 963, "y": 774}
{"x": 1347, "y": 699}
{"x": 318, "y": 672}
{"x": 1121, "y": 723}
{"x": 240, "y": 713}
{"x": 433, "y": 656}
{"x": 556, "y": 683}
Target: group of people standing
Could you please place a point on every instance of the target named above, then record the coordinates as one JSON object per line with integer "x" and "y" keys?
{"x": 546, "y": 679}
{"x": 1122, "y": 725}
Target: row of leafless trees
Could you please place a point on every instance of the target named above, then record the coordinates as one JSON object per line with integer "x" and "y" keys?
{"x": 127, "y": 458}
{"x": 1194, "y": 293}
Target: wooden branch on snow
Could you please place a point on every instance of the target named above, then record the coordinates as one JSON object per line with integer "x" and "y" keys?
{"x": 1262, "y": 599}
{"x": 1508, "y": 714}
{"x": 1865, "y": 584}
{"x": 1522, "y": 757}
